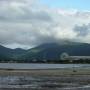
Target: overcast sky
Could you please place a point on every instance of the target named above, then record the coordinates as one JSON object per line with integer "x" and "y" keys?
{"x": 28, "y": 23}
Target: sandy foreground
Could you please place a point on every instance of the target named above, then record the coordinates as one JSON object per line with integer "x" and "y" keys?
{"x": 47, "y": 72}
{"x": 50, "y": 79}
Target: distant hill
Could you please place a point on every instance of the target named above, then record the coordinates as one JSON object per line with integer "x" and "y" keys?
{"x": 52, "y": 51}
{"x": 10, "y": 54}
{"x": 48, "y": 51}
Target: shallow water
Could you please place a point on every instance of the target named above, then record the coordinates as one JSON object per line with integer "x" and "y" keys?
{"x": 40, "y": 66}
{"x": 44, "y": 83}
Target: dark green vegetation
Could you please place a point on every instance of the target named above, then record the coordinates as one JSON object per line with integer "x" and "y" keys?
{"x": 49, "y": 52}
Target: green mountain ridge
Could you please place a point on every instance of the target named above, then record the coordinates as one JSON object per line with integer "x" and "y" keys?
{"x": 48, "y": 51}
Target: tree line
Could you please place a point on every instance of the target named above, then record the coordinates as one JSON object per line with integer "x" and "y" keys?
{"x": 81, "y": 61}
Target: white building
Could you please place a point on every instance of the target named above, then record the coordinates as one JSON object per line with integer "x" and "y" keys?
{"x": 65, "y": 56}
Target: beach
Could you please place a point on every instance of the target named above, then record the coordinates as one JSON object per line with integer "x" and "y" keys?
{"x": 45, "y": 79}
{"x": 44, "y": 76}
{"x": 46, "y": 72}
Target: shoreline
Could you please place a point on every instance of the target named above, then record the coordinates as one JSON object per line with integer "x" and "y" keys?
{"x": 46, "y": 72}
{"x": 47, "y": 79}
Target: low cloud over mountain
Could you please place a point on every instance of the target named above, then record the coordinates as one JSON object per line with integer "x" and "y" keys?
{"x": 27, "y": 23}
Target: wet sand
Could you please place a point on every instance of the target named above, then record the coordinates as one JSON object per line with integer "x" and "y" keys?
{"x": 47, "y": 79}
{"x": 46, "y": 72}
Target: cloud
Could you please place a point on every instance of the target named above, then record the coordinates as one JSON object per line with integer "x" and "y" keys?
{"x": 26, "y": 23}
{"x": 83, "y": 30}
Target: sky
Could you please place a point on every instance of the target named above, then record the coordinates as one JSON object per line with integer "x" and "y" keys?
{"x": 68, "y": 4}
{"x": 28, "y": 23}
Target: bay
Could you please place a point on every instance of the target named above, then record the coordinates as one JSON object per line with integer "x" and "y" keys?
{"x": 40, "y": 66}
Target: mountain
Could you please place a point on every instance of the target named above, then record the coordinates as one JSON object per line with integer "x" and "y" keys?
{"x": 52, "y": 51}
{"x": 48, "y": 51}
{"x": 19, "y": 50}
{"x": 9, "y": 54}
{"x": 4, "y": 53}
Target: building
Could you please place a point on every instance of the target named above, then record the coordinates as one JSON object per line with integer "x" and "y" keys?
{"x": 65, "y": 56}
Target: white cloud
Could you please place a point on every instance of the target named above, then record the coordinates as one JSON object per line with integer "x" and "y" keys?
{"x": 25, "y": 23}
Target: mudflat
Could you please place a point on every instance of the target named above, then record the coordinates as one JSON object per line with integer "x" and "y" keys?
{"x": 46, "y": 72}
{"x": 47, "y": 79}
